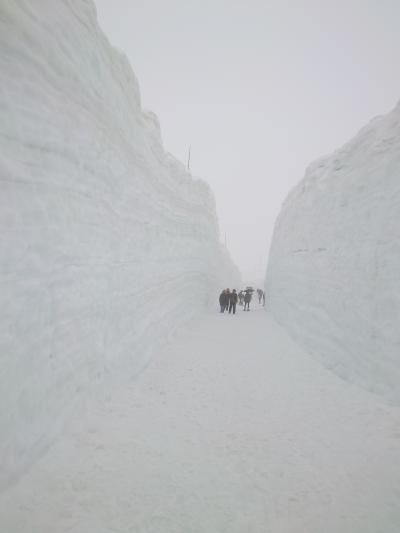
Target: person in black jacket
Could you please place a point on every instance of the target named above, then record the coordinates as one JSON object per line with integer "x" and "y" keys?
{"x": 247, "y": 300}
{"x": 222, "y": 300}
{"x": 233, "y": 301}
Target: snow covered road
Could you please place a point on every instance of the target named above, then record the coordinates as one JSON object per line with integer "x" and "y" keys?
{"x": 231, "y": 428}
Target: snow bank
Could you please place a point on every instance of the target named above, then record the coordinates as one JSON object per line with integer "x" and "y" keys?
{"x": 107, "y": 243}
{"x": 333, "y": 278}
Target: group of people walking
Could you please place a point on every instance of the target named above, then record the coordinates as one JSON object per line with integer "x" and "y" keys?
{"x": 229, "y": 299}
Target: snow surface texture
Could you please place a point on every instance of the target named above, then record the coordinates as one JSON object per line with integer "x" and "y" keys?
{"x": 256, "y": 437}
{"x": 333, "y": 278}
{"x": 107, "y": 243}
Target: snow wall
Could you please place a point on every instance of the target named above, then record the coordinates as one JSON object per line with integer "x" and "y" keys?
{"x": 107, "y": 243}
{"x": 333, "y": 278}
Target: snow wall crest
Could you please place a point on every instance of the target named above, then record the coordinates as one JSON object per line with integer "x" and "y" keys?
{"x": 107, "y": 243}
{"x": 333, "y": 278}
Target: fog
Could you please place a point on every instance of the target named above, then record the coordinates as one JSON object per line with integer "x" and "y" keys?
{"x": 258, "y": 89}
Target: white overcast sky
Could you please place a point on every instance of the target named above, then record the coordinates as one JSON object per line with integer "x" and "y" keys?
{"x": 259, "y": 88}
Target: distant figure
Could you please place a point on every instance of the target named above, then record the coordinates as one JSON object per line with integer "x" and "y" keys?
{"x": 247, "y": 300}
{"x": 222, "y": 300}
{"x": 264, "y": 298}
{"x": 241, "y": 296}
{"x": 228, "y": 295}
{"x": 233, "y": 301}
{"x": 260, "y": 295}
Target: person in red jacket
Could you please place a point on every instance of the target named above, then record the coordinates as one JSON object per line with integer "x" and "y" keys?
{"x": 228, "y": 298}
{"x": 222, "y": 300}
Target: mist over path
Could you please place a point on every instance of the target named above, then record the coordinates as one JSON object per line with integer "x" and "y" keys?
{"x": 231, "y": 428}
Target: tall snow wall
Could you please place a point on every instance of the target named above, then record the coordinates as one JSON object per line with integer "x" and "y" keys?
{"x": 333, "y": 278}
{"x": 107, "y": 244}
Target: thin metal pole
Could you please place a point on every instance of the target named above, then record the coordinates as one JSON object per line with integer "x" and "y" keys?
{"x": 188, "y": 163}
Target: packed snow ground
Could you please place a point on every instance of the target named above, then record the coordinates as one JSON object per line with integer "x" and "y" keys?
{"x": 334, "y": 271}
{"x": 232, "y": 427}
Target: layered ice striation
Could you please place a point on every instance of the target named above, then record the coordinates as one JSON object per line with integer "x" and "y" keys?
{"x": 333, "y": 278}
{"x": 107, "y": 243}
